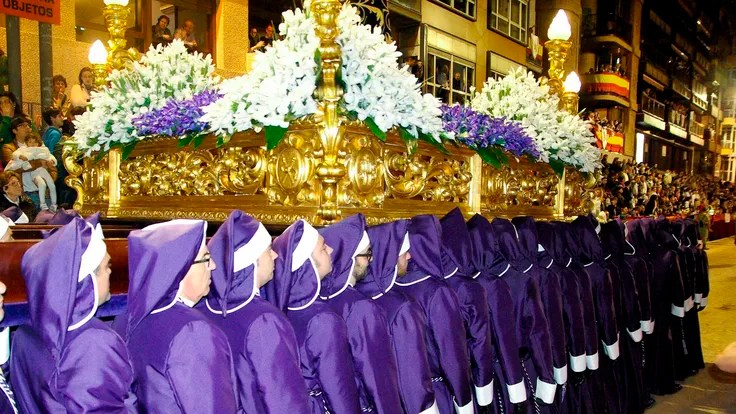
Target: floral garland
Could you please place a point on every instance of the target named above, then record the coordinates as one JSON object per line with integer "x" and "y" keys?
{"x": 561, "y": 138}
{"x": 163, "y": 74}
{"x": 176, "y": 118}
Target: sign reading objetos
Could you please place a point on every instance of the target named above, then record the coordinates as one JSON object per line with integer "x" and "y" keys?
{"x": 45, "y": 11}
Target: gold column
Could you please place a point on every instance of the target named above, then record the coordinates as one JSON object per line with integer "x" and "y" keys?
{"x": 116, "y": 13}
{"x": 557, "y": 52}
{"x": 328, "y": 93}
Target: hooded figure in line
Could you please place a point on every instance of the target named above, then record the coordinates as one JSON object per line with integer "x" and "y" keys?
{"x": 370, "y": 344}
{"x": 324, "y": 349}
{"x": 447, "y": 350}
{"x": 459, "y": 273}
{"x": 66, "y": 360}
{"x": 406, "y": 322}
{"x": 262, "y": 340}
{"x": 182, "y": 361}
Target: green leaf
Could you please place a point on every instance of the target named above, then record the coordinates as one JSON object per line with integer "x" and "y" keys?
{"x": 100, "y": 155}
{"x": 501, "y": 155}
{"x": 184, "y": 141}
{"x": 438, "y": 145}
{"x": 557, "y": 166}
{"x": 375, "y": 129}
{"x": 198, "y": 140}
{"x": 128, "y": 149}
{"x": 274, "y": 135}
{"x": 220, "y": 141}
{"x": 489, "y": 157}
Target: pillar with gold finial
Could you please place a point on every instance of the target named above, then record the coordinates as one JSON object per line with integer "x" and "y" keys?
{"x": 98, "y": 59}
{"x": 571, "y": 88}
{"x": 116, "y": 13}
{"x": 558, "y": 46}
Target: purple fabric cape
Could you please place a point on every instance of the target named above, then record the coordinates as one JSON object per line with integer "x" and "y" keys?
{"x": 182, "y": 361}
{"x": 262, "y": 340}
{"x": 54, "y": 367}
{"x": 406, "y": 322}
{"x": 321, "y": 334}
{"x": 446, "y": 348}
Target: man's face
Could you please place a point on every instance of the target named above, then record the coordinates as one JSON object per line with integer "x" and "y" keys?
{"x": 322, "y": 259}
{"x": 103, "y": 279}
{"x": 196, "y": 283}
{"x": 264, "y": 266}
{"x": 189, "y": 26}
{"x": 402, "y": 264}
{"x": 362, "y": 259}
{"x": 253, "y": 32}
{"x": 269, "y": 31}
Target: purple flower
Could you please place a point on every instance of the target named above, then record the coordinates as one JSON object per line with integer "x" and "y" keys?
{"x": 176, "y": 118}
{"x": 478, "y": 130}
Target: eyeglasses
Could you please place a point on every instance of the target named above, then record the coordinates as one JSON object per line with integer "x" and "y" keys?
{"x": 206, "y": 259}
{"x": 368, "y": 255}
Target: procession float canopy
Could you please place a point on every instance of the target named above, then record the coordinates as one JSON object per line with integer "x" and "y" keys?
{"x": 325, "y": 124}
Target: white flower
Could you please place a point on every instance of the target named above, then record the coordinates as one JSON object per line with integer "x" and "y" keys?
{"x": 557, "y": 134}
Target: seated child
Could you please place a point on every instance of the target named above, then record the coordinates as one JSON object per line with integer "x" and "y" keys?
{"x": 38, "y": 179}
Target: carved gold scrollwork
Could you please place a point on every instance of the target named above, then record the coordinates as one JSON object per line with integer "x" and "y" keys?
{"x": 521, "y": 185}
{"x": 291, "y": 171}
{"x": 170, "y": 174}
{"x": 406, "y": 176}
{"x": 88, "y": 179}
{"x": 577, "y": 196}
{"x": 242, "y": 170}
{"x": 363, "y": 184}
{"x": 448, "y": 180}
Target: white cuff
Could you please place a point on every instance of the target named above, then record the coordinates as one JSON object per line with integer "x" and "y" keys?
{"x": 517, "y": 392}
{"x": 465, "y": 409}
{"x": 591, "y": 361}
{"x": 577, "y": 363}
{"x": 612, "y": 350}
{"x": 636, "y": 335}
{"x": 698, "y": 297}
{"x": 432, "y": 410}
{"x": 647, "y": 326}
{"x": 561, "y": 375}
{"x": 678, "y": 311}
{"x": 704, "y": 302}
{"x": 545, "y": 391}
{"x": 4, "y": 345}
{"x": 689, "y": 304}
{"x": 484, "y": 394}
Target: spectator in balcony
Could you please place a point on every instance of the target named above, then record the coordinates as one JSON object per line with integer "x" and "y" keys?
{"x": 9, "y": 108}
{"x": 60, "y": 100}
{"x": 186, "y": 34}
{"x": 458, "y": 86}
{"x": 254, "y": 42}
{"x": 267, "y": 38}
{"x": 80, "y": 92}
{"x": 161, "y": 32}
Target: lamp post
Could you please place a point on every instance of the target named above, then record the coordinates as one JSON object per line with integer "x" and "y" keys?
{"x": 116, "y": 13}
{"x": 570, "y": 98}
{"x": 98, "y": 59}
{"x": 558, "y": 46}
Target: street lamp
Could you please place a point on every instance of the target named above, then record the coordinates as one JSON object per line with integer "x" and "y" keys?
{"x": 570, "y": 98}
{"x": 98, "y": 59}
{"x": 558, "y": 45}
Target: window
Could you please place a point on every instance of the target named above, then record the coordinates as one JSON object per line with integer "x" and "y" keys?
{"x": 450, "y": 77}
{"x": 466, "y": 7}
{"x": 509, "y": 17}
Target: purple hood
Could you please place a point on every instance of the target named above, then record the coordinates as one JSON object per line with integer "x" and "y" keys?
{"x": 388, "y": 241}
{"x": 457, "y": 247}
{"x": 425, "y": 238}
{"x": 347, "y": 238}
{"x": 60, "y": 281}
{"x": 235, "y": 247}
{"x": 510, "y": 246}
{"x": 486, "y": 257}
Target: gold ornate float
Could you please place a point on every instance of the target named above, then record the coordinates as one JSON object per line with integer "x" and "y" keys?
{"x": 325, "y": 168}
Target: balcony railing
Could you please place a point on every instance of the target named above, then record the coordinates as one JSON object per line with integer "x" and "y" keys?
{"x": 677, "y": 118}
{"x": 656, "y": 73}
{"x": 605, "y": 84}
{"x": 604, "y": 24}
{"x": 652, "y": 107}
{"x": 697, "y": 129}
{"x": 681, "y": 88}
{"x": 414, "y": 5}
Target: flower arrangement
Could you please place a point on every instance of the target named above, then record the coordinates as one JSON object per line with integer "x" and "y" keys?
{"x": 163, "y": 75}
{"x": 561, "y": 138}
{"x": 490, "y": 137}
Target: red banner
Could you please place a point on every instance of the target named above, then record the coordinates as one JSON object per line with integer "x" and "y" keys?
{"x": 45, "y": 11}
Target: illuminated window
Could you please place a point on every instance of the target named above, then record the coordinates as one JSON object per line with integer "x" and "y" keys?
{"x": 509, "y": 17}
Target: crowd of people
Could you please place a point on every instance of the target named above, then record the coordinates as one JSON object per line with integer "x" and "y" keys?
{"x": 424, "y": 315}
{"x": 628, "y": 189}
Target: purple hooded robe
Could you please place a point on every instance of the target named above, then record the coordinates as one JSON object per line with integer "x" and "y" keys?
{"x": 447, "y": 351}
{"x": 321, "y": 333}
{"x": 15, "y": 214}
{"x": 262, "y": 340}
{"x": 370, "y": 344}
{"x": 406, "y": 322}
{"x": 459, "y": 272}
{"x": 182, "y": 361}
{"x": 66, "y": 360}
{"x": 532, "y": 327}
{"x": 507, "y": 364}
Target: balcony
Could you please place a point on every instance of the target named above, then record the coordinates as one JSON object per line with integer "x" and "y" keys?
{"x": 606, "y": 85}
{"x": 605, "y": 25}
{"x": 681, "y": 87}
{"x": 413, "y": 7}
{"x": 697, "y": 131}
{"x": 677, "y": 123}
{"x": 652, "y": 112}
{"x": 654, "y": 75}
